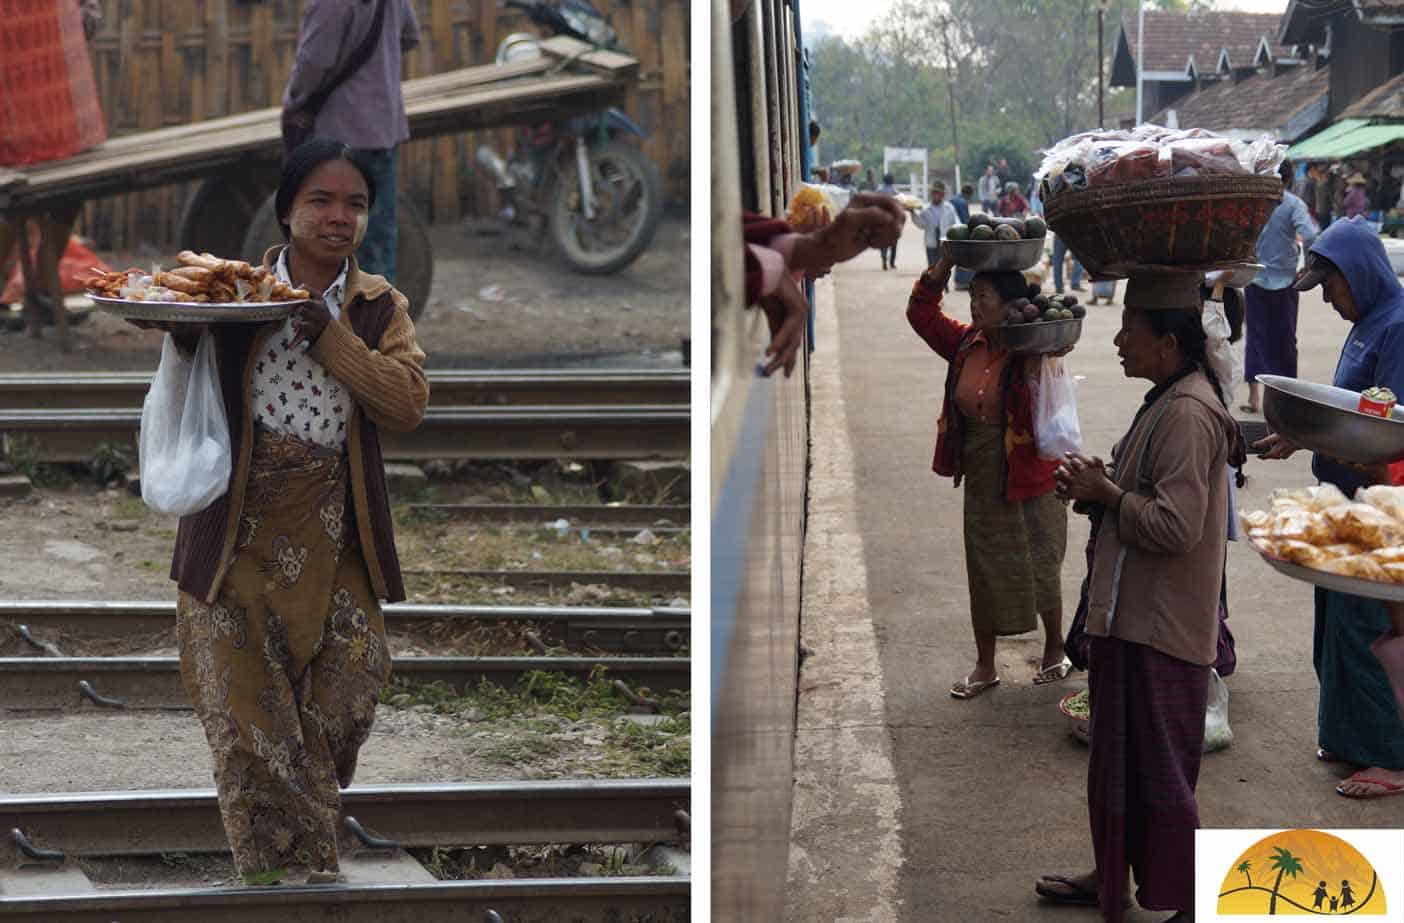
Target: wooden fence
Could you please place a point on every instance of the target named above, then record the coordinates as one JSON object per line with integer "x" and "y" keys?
{"x": 169, "y": 62}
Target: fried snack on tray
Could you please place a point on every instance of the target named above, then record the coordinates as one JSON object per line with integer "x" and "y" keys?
{"x": 1359, "y": 566}
{"x": 1318, "y": 528}
{"x": 199, "y": 277}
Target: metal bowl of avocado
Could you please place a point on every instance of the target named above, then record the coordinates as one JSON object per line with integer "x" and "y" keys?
{"x": 1041, "y": 337}
{"x": 991, "y": 255}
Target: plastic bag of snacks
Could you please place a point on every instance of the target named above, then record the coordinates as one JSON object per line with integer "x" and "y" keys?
{"x": 1108, "y": 158}
{"x": 814, "y": 205}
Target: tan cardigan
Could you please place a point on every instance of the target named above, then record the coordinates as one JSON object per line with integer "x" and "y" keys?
{"x": 1159, "y": 563}
{"x": 390, "y": 390}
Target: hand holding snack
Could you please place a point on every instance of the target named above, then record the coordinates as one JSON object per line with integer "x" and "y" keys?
{"x": 309, "y": 320}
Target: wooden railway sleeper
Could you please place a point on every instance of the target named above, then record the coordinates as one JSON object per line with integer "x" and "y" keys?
{"x": 37, "y": 853}
{"x": 494, "y": 917}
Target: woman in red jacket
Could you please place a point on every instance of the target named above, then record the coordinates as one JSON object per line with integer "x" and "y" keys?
{"x": 1015, "y": 528}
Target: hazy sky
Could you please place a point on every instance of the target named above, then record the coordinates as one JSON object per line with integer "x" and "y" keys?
{"x": 850, "y": 17}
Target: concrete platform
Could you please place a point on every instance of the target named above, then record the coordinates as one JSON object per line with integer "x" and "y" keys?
{"x": 912, "y": 806}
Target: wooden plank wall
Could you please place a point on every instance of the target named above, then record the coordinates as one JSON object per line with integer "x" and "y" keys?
{"x": 169, "y": 62}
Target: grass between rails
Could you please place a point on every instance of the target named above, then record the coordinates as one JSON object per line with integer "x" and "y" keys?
{"x": 548, "y": 719}
{"x": 548, "y": 861}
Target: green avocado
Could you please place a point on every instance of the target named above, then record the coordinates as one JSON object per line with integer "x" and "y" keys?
{"x": 1006, "y": 232}
{"x": 983, "y": 232}
{"x": 1051, "y": 314}
{"x": 958, "y": 232}
{"x": 1035, "y": 229}
{"x": 978, "y": 221}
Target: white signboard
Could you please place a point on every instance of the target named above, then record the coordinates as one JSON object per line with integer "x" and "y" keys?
{"x": 913, "y": 155}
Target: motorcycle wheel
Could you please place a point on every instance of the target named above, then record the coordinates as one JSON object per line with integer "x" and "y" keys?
{"x": 628, "y": 206}
{"x": 414, "y": 259}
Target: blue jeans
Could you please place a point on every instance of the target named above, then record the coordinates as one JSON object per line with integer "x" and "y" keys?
{"x": 1060, "y": 250}
{"x": 378, "y": 250}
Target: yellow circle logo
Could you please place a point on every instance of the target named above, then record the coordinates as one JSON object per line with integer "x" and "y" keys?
{"x": 1304, "y": 872}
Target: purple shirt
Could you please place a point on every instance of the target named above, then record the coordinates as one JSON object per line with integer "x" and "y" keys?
{"x": 1356, "y": 201}
{"x": 368, "y": 109}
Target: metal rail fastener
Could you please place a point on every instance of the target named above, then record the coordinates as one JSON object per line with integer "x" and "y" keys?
{"x": 35, "y": 852}
{"x": 367, "y": 838}
{"x": 97, "y": 698}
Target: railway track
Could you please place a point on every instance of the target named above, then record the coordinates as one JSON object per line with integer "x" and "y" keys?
{"x": 651, "y": 431}
{"x": 574, "y": 626}
{"x": 472, "y": 414}
{"x": 154, "y": 682}
{"x": 643, "y": 581}
{"x": 384, "y": 882}
{"x": 599, "y": 518}
{"x": 447, "y": 388}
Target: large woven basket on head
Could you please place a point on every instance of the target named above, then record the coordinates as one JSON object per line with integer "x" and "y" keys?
{"x": 1194, "y": 221}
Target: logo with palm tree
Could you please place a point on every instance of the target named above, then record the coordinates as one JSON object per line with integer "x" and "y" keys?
{"x": 1311, "y": 873}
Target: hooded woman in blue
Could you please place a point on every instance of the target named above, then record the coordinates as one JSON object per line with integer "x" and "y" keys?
{"x": 1357, "y": 717}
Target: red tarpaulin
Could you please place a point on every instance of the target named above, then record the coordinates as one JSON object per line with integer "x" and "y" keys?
{"x": 49, "y": 105}
{"x": 75, "y": 266}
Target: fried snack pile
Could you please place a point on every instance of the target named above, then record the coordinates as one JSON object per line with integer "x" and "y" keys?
{"x": 811, "y": 208}
{"x": 1318, "y": 527}
{"x": 200, "y": 277}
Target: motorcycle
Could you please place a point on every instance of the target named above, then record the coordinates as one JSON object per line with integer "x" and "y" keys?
{"x": 578, "y": 179}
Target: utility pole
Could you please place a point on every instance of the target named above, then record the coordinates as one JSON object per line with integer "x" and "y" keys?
{"x": 1101, "y": 15}
{"x": 1140, "y": 57}
{"x": 950, "y": 89}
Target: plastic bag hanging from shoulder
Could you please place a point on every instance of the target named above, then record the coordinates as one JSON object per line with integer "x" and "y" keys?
{"x": 184, "y": 448}
{"x": 1056, "y": 427}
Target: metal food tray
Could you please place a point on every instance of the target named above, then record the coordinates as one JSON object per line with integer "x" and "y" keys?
{"x": 192, "y": 312}
{"x": 995, "y": 255}
{"x": 1041, "y": 337}
{"x": 1355, "y": 586}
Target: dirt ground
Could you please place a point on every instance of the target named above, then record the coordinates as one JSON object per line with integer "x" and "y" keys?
{"x": 491, "y": 306}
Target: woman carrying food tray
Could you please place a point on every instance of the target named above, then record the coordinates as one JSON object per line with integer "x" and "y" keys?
{"x": 1016, "y": 530}
{"x": 282, "y": 642}
{"x": 1153, "y": 605}
{"x": 1358, "y": 720}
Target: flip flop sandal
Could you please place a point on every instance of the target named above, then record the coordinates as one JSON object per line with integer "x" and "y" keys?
{"x": 1249, "y": 408}
{"x": 965, "y": 689}
{"x": 1054, "y": 673}
{"x": 1390, "y": 788}
{"x": 1076, "y": 894}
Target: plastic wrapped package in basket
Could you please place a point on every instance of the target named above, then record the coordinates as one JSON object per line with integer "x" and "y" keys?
{"x": 1153, "y": 197}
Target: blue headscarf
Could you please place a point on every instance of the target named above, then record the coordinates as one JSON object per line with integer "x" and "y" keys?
{"x": 1373, "y": 353}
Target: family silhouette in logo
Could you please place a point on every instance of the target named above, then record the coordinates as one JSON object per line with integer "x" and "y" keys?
{"x": 1343, "y": 901}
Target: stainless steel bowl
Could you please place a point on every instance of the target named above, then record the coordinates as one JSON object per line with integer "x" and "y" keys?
{"x": 1039, "y": 337}
{"x": 981, "y": 255}
{"x": 1325, "y": 419}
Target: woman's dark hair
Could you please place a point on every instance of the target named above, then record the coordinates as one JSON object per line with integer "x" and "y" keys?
{"x": 1008, "y": 284}
{"x": 310, "y": 155}
{"x": 1187, "y": 327}
{"x": 1287, "y": 171}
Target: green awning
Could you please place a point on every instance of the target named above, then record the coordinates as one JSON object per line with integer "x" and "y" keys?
{"x": 1345, "y": 139}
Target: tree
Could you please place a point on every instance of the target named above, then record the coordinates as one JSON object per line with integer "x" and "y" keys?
{"x": 1182, "y": 6}
{"x": 1243, "y": 869}
{"x": 1286, "y": 864}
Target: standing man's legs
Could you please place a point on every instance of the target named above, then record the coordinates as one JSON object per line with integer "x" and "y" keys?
{"x": 1060, "y": 250}
{"x": 378, "y": 250}
{"x": 933, "y": 256}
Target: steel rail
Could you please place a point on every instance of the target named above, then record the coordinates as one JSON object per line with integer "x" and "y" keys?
{"x": 551, "y": 900}
{"x": 154, "y": 682}
{"x": 631, "y": 628}
{"x": 447, "y": 387}
{"x": 593, "y": 516}
{"x": 520, "y": 432}
{"x": 643, "y": 581}
{"x": 450, "y": 814}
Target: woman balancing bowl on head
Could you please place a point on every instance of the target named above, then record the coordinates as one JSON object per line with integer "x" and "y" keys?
{"x": 1153, "y": 605}
{"x": 1015, "y": 528}
{"x": 282, "y": 642}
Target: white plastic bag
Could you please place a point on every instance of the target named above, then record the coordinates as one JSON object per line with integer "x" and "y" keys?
{"x": 184, "y": 447}
{"x": 1056, "y": 428}
{"x": 1217, "y": 733}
